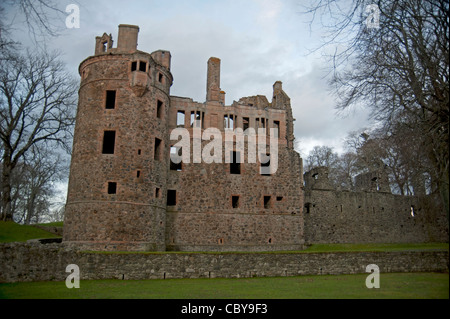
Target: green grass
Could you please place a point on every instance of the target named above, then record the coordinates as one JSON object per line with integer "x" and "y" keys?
{"x": 317, "y": 248}
{"x": 392, "y": 286}
{"x": 11, "y": 232}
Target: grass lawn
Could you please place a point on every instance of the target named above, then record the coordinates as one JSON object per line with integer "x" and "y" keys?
{"x": 11, "y": 232}
{"x": 392, "y": 286}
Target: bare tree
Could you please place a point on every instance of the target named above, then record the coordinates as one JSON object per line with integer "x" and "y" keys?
{"x": 37, "y": 106}
{"x": 396, "y": 62}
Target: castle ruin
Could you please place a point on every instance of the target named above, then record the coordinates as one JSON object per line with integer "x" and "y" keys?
{"x": 125, "y": 192}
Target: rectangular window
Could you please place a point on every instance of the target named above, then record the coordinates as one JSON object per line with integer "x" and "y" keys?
{"x": 133, "y": 66}
{"x": 109, "y": 140}
{"x": 110, "y": 100}
{"x": 157, "y": 192}
{"x": 267, "y": 202}
{"x": 160, "y": 77}
{"x": 112, "y": 188}
{"x": 175, "y": 166}
{"x": 265, "y": 165}
{"x": 276, "y": 126}
{"x": 245, "y": 123}
{"x": 159, "y": 109}
{"x": 142, "y": 66}
{"x": 196, "y": 117}
{"x": 157, "y": 156}
{"x": 180, "y": 118}
{"x": 228, "y": 121}
{"x": 235, "y": 201}
{"x": 171, "y": 197}
{"x": 138, "y": 174}
{"x": 235, "y": 165}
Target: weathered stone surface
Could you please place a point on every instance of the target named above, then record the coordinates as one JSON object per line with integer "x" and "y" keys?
{"x": 37, "y": 262}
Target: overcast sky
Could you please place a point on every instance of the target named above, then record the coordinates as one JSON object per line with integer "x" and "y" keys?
{"x": 258, "y": 41}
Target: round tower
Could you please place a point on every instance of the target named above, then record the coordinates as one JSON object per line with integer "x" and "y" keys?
{"x": 117, "y": 186}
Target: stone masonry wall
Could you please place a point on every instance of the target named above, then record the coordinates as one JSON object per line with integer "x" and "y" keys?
{"x": 36, "y": 262}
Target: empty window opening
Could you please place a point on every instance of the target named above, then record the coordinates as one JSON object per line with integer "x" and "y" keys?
{"x": 308, "y": 208}
{"x": 139, "y": 151}
{"x": 175, "y": 151}
{"x": 133, "y": 66}
{"x": 138, "y": 174}
{"x": 196, "y": 117}
{"x": 110, "y": 100}
{"x": 265, "y": 165}
{"x": 160, "y": 77}
{"x": 316, "y": 176}
{"x": 157, "y": 156}
{"x": 220, "y": 241}
{"x": 267, "y": 202}
{"x": 112, "y": 188}
{"x": 159, "y": 109}
{"x": 276, "y": 126}
{"x": 104, "y": 46}
{"x": 279, "y": 198}
{"x": 413, "y": 213}
{"x": 109, "y": 140}
{"x": 235, "y": 201}
{"x": 245, "y": 123}
{"x": 228, "y": 121}
{"x": 235, "y": 165}
{"x": 270, "y": 240}
{"x": 157, "y": 192}
{"x": 263, "y": 123}
{"x": 180, "y": 118}
{"x": 171, "y": 197}
{"x": 142, "y": 66}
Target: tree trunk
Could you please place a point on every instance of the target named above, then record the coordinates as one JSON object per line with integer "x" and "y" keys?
{"x": 7, "y": 214}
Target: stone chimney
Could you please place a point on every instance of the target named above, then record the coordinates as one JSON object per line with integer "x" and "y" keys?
{"x": 213, "y": 80}
{"x": 128, "y": 37}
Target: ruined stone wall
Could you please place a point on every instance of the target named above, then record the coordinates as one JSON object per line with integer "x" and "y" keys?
{"x": 36, "y": 262}
{"x": 333, "y": 216}
{"x": 268, "y": 215}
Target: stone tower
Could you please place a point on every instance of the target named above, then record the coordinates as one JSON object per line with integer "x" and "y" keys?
{"x": 116, "y": 195}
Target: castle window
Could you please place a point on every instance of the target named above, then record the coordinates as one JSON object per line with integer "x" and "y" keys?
{"x": 228, "y": 121}
{"x": 196, "y": 117}
{"x": 235, "y": 165}
{"x": 174, "y": 166}
{"x": 157, "y": 154}
{"x": 265, "y": 165}
{"x": 171, "y": 197}
{"x": 110, "y": 100}
{"x": 160, "y": 77}
{"x": 109, "y": 140}
{"x": 235, "y": 201}
{"x": 279, "y": 198}
{"x": 112, "y": 188}
{"x": 142, "y": 66}
{"x": 308, "y": 207}
{"x": 157, "y": 192}
{"x": 138, "y": 174}
{"x": 276, "y": 125}
{"x": 245, "y": 123}
{"x": 267, "y": 202}
{"x": 133, "y": 66}
{"x": 159, "y": 109}
{"x": 180, "y": 118}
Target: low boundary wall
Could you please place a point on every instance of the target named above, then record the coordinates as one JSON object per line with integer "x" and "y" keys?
{"x": 37, "y": 262}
